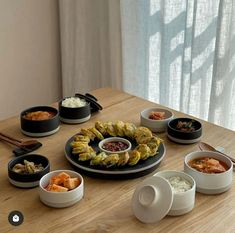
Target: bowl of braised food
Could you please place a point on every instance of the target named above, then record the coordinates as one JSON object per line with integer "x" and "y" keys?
{"x": 61, "y": 188}
{"x": 40, "y": 121}
{"x": 25, "y": 171}
{"x": 184, "y": 130}
{"x": 156, "y": 119}
{"x": 212, "y": 171}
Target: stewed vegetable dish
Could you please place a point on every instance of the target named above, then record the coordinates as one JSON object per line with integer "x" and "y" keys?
{"x": 208, "y": 165}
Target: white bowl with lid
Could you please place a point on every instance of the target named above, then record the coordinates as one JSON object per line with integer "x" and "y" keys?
{"x": 154, "y": 197}
{"x": 183, "y": 202}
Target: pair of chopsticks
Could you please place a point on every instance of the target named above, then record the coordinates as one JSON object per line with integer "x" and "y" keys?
{"x": 13, "y": 141}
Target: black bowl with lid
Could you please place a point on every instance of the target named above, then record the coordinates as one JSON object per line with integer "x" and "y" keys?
{"x": 78, "y": 109}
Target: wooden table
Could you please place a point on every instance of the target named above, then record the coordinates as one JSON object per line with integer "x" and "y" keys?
{"x": 106, "y": 206}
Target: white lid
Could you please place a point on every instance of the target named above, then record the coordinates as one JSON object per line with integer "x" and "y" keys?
{"x": 152, "y": 199}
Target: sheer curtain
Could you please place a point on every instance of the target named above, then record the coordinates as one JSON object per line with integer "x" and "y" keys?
{"x": 182, "y": 54}
{"x": 90, "y": 45}
{"x": 179, "y": 53}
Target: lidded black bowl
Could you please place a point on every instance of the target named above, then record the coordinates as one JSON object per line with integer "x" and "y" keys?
{"x": 184, "y": 137}
{"x": 79, "y": 108}
{"x": 40, "y": 128}
{"x": 22, "y": 180}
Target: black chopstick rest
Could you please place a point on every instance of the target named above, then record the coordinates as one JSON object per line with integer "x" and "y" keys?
{"x": 23, "y": 151}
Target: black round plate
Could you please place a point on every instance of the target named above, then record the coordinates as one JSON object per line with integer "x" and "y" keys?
{"x": 142, "y": 168}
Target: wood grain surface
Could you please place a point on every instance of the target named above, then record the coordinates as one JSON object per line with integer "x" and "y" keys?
{"x": 106, "y": 206}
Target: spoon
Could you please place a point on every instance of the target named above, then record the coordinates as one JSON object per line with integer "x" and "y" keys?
{"x": 205, "y": 146}
{"x": 18, "y": 143}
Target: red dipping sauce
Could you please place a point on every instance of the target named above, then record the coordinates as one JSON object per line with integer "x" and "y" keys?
{"x": 114, "y": 146}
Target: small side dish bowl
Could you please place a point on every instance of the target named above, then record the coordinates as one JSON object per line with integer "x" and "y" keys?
{"x": 210, "y": 183}
{"x": 114, "y": 145}
{"x": 27, "y": 180}
{"x": 156, "y": 119}
{"x": 183, "y": 197}
{"x": 39, "y": 121}
{"x": 60, "y": 199}
{"x": 74, "y": 110}
{"x": 184, "y": 130}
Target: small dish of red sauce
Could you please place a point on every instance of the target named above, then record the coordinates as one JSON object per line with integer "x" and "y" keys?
{"x": 114, "y": 145}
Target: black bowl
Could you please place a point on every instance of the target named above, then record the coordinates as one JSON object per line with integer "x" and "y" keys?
{"x": 184, "y": 137}
{"x": 40, "y": 128}
{"x": 27, "y": 180}
{"x": 74, "y": 115}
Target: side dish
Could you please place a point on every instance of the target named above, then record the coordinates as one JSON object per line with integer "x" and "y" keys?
{"x": 157, "y": 115}
{"x": 39, "y": 115}
{"x": 179, "y": 184}
{"x": 208, "y": 165}
{"x": 62, "y": 183}
{"x": 73, "y": 102}
{"x": 185, "y": 126}
{"x": 27, "y": 167}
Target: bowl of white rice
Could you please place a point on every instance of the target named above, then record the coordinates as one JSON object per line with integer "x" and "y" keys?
{"x": 74, "y": 110}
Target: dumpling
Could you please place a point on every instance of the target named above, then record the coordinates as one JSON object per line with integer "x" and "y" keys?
{"x": 144, "y": 151}
{"x": 101, "y": 127}
{"x": 134, "y": 157}
{"x": 97, "y": 133}
{"x": 81, "y": 138}
{"x": 87, "y": 155}
{"x": 119, "y": 127}
{"x": 123, "y": 159}
{"x": 110, "y": 129}
{"x": 129, "y": 130}
{"x": 79, "y": 147}
{"x": 88, "y": 133}
{"x": 141, "y": 134}
{"x": 98, "y": 159}
{"x": 111, "y": 160}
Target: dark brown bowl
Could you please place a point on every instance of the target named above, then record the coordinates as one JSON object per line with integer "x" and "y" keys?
{"x": 40, "y": 128}
{"x": 183, "y": 137}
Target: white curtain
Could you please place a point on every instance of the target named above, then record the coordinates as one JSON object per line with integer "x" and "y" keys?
{"x": 181, "y": 53}
{"x": 90, "y": 45}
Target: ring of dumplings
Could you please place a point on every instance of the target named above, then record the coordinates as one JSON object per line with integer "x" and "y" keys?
{"x": 148, "y": 144}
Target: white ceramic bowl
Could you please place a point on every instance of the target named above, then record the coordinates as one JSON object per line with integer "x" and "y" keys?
{"x": 182, "y": 202}
{"x": 210, "y": 183}
{"x": 154, "y": 197}
{"x": 114, "y": 139}
{"x": 60, "y": 199}
{"x": 157, "y": 126}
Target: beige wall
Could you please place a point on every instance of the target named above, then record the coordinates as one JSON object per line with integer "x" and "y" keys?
{"x": 30, "y": 72}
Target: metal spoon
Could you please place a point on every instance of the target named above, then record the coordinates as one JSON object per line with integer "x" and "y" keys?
{"x": 204, "y": 146}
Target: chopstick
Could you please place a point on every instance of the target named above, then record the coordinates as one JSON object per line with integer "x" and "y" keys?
{"x": 9, "y": 137}
{"x": 13, "y": 142}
